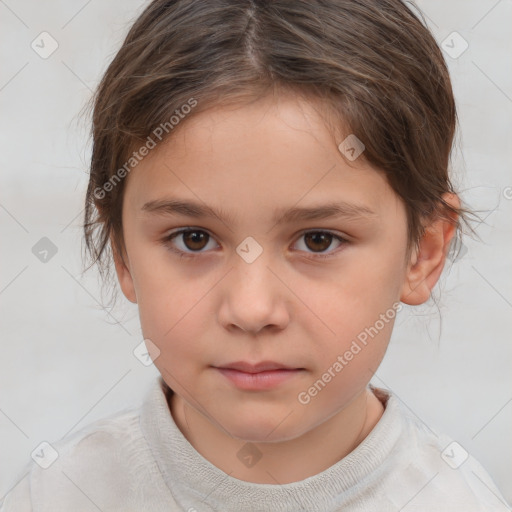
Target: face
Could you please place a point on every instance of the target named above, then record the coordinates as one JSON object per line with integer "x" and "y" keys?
{"x": 255, "y": 267}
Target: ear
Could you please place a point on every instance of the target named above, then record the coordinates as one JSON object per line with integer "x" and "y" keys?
{"x": 124, "y": 275}
{"x": 428, "y": 258}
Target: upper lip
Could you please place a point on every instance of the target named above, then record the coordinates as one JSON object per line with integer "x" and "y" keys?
{"x": 262, "y": 366}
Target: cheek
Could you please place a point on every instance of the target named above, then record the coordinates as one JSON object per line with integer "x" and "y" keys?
{"x": 357, "y": 292}
{"x": 356, "y": 309}
{"x": 174, "y": 310}
{"x": 175, "y": 325}
{"x": 347, "y": 361}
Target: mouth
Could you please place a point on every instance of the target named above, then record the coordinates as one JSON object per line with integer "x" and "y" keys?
{"x": 258, "y": 377}
{"x": 263, "y": 366}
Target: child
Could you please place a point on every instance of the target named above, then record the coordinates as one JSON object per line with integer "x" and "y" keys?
{"x": 263, "y": 128}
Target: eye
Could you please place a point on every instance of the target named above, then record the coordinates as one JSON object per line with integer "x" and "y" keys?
{"x": 192, "y": 241}
{"x": 318, "y": 241}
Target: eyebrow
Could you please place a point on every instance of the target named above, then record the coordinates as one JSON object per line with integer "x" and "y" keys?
{"x": 197, "y": 210}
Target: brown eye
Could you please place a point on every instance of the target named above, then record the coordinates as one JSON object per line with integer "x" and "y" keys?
{"x": 187, "y": 242}
{"x": 192, "y": 242}
{"x": 195, "y": 240}
{"x": 318, "y": 241}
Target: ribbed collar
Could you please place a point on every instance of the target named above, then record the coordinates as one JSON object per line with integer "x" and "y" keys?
{"x": 197, "y": 484}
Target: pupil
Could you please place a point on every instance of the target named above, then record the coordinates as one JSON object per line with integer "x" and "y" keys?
{"x": 322, "y": 238}
{"x": 194, "y": 237}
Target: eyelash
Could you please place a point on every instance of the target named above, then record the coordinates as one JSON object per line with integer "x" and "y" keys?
{"x": 182, "y": 254}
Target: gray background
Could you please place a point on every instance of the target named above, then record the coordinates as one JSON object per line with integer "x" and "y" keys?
{"x": 67, "y": 361}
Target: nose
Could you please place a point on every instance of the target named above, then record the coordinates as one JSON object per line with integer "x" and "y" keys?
{"x": 253, "y": 297}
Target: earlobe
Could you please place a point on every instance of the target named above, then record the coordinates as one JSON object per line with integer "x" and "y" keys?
{"x": 124, "y": 276}
{"x": 428, "y": 259}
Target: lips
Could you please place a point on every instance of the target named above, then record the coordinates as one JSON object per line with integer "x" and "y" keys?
{"x": 263, "y": 366}
{"x": 261, "y": 377}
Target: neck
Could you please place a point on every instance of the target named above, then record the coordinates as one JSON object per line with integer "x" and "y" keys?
{"x": 285, "y": 461}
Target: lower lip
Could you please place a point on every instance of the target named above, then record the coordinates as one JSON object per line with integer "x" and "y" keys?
{"x": 258, "y": 381}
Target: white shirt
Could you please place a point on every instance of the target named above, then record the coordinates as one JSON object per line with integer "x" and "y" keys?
{"x": 138, "y": 460}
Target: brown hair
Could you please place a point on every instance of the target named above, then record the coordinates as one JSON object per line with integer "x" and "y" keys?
{"x": 372, "y": 64}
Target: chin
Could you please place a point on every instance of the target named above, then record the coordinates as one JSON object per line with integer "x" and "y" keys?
{"x": 264, "y": 431}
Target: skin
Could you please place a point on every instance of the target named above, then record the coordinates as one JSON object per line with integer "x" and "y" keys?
{"x": 288, "y": 305}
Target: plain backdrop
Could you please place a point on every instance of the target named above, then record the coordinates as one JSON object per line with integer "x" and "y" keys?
{"x": 67, "y": 361}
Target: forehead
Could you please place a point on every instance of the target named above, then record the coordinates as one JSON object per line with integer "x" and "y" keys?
{"x": 276, "y": 151}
